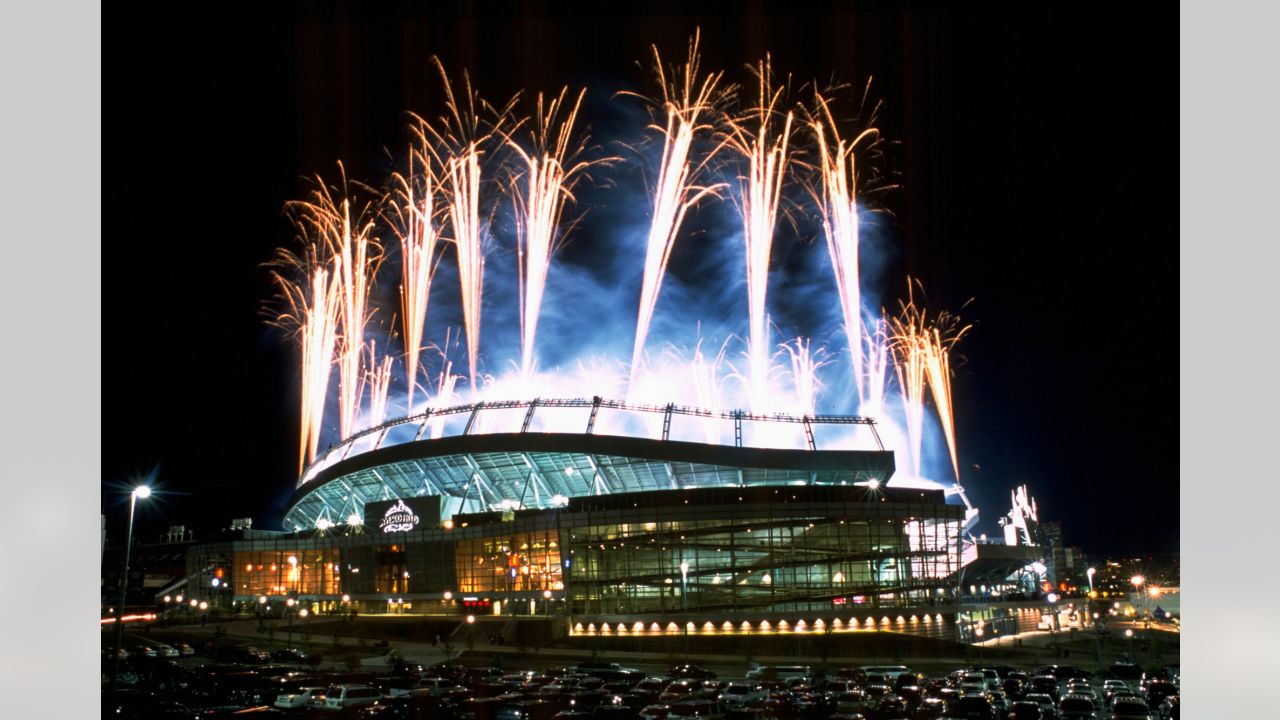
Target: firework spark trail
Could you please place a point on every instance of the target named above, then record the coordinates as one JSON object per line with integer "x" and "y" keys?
{"x": 922, "y": 348}
{"x": 804, "y": 373}
{"x": 540, "y": 194}
{"x": 458, "y": 149}
{"x": 378, "y": 379}
{"x": 877, "y": 360}
{"x": 837, "y": 200}
{"x": 707, "y": 386}
{"x": 445, "y": 384}
{"x": 356, "y": 265}
{"x": 909, "y": 362}
{"x": 419, "y": 235}
{"x": 936, "y": 347}
{"x": 758, "y": 195}
{"x": 686, "y": 102}
{"x": 311, "y": 311}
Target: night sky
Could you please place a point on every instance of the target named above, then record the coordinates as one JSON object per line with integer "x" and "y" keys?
{"x": 1028, "y": 147}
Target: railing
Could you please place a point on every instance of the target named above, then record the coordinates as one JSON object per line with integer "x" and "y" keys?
{"x": 437, "y": 420}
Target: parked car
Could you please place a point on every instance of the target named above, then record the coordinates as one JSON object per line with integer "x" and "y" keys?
{"x": 1026, "y": 710}
{"x": 691, "y": 671}
{"x": 299, "y": 698}
{"x": 1077, "y": 707}
{"x": 1130, "y": 708}
{"x": 741, "y": 693}
{"x": 434, "y": 687}
{"x": 339, "y": 697}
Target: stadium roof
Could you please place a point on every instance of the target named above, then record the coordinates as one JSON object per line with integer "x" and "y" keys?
{"x": 485, "y": 472}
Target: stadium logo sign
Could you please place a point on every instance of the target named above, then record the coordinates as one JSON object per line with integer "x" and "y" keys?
{"x": 399, "y": 518}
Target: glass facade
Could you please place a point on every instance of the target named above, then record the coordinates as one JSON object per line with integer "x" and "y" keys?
{"x": 311, "y": 571}
{"x": 760, "y": 549}
{"x": 510, "y": 562}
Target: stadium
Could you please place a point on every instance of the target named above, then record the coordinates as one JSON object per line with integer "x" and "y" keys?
{"x": 634, "y": 524}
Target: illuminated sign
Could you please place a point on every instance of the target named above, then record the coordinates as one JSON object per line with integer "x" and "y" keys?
{"x": 398, "y": 518}
{"x": 402, "y": 514}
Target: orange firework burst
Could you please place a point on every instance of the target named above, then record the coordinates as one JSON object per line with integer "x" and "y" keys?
{"x": 414, "y": 221}
{"x": 378, "y": 379}
{"x": 765, "y": 150}
{"x": 458, "y": 148}
{"x": 690, "y": 106}
{"x": 540, "y": 191}
{"x": 922, "y": 348}
{"x": 311, "y": 312}
{"x": 341, "y": 243}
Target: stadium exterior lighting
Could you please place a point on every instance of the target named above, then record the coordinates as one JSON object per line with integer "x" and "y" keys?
{"x": 143, "y": 492}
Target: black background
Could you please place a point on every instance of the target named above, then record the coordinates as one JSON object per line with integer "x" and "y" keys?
{"x": 1036, "y": 156}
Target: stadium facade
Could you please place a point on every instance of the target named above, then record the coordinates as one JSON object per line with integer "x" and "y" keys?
{"x": 614, "y": 519}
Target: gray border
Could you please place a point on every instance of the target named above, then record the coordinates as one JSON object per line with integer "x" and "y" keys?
{"x": 50, "y": 141}
{"x": 1229, "y": 154}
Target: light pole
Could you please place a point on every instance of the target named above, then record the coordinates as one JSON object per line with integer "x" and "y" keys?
{"x": 142, "y": 491}
{"x": 1128, "y": 632}
{"x": 684, "y": 601}
{"x": 1137, "y": 581}
{"x": 979, "y": 632}
{"x": 289, "y": 603}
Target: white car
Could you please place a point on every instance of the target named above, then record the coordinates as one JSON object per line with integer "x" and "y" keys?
{"x": 973, "y": 682}
{"x": 736, "y": 694}
{"x": 892, "y": 671}
{"x": 303, "y": 697}
{"x": 163, "y": 650}
{"x": 338, "y": 697}
{"x": 854, "y": 701}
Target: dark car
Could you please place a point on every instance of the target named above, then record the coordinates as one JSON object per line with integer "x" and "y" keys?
{"x": 1044, "y": 684}
{"x": 288, "y": 655}
{"x": 1077, "y": 707}
{"x": 132, "y": 704}
{"x": 397, "y": 708}
{"x": 1013, "y": 687}
{"x": 1130, "y": 708}
{"x": 1064, "y": 672}
{"x": 891, "y": 706}
{"x": 1158, "y": 690}
{"x": 1025, "y": 710}
{"x": 691, "y": 671}
{"x": 972, "y": 707}
{"x": 929, "y": 709}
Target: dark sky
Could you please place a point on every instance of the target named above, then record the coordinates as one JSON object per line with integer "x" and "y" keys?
{"x": 1033, "y": 145}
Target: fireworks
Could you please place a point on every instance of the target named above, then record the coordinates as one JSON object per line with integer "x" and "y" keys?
{"x": 687, "y": 103}
{"x": 413, "y": 203}
{"x": 804, "y": 373}
{"x": 378, "y": 380}
{"x": 837, "y": 200}
{"x": 765, "y": 150}
{"x": 540, "y": 191}
{"x": 458, "y": 146}
{"x": 448, "y": 195}
{"x": 922, "y": 348}
{"x": 311, "y": 310}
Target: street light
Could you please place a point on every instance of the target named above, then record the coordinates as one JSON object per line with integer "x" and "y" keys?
{"x": 143, "y": 492}
{"x": 979, "y": 633}
{"x": 684, "y": 601}
{"x": 1128, "y": 632}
